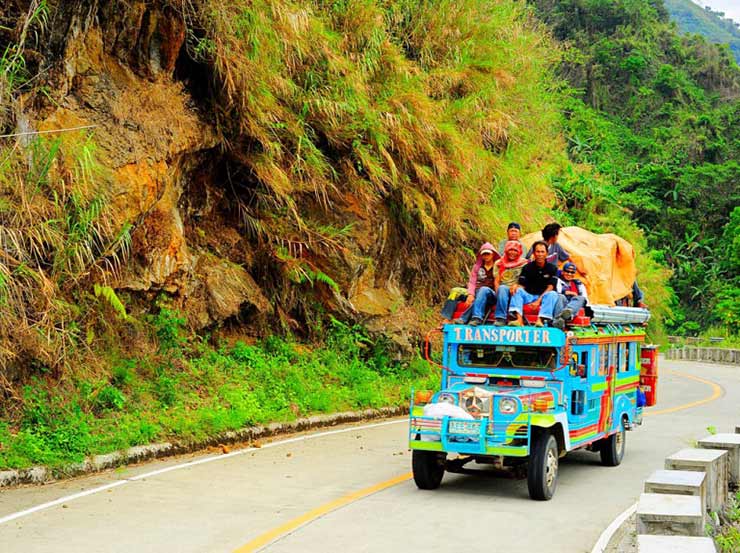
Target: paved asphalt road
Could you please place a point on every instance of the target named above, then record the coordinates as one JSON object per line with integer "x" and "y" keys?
{"x": 228, "y": 504}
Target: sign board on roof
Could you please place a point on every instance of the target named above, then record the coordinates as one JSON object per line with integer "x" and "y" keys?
{"x": 522, "y": 336}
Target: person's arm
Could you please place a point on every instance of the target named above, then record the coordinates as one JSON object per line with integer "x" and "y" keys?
{"x": 472, "y": 283}
{"x": 496, "y": 276}
{"x": 582, "y": 291}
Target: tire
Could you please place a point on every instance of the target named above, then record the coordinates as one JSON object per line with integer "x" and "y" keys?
{"x": 428, "y": 468}
{"x": 612, "y": 448}
{"x": 542, "y": 469}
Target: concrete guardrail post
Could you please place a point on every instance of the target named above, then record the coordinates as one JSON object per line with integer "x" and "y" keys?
{"x": 675, "y": 544}
{"x": 669, "y": 515}
{"x": 731, "y": 444}
{"x": 713, "y": 462}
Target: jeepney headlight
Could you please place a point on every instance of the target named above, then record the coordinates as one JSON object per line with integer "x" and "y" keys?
{"x": 446, "y": 397}
{"x": 507, "y": 406}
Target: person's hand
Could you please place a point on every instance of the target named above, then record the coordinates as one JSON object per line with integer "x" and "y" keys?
{"x": 469, "y": 299}
{"x": 570, "y": 293}
{"x": 513, "y": 289}
{"x": 537, "y": 302}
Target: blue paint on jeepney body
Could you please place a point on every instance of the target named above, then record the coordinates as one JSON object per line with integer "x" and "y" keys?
{"x": 585, "y": 402}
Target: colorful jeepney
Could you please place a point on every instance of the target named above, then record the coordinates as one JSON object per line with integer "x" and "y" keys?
{"x": 519, "y": 398}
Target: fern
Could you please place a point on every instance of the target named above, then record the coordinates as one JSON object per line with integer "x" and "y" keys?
{"x": 107, "y": 293}
{"x": 320, "y": 276}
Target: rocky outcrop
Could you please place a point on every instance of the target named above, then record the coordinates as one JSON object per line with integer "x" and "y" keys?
{"x": 187, "y": 197}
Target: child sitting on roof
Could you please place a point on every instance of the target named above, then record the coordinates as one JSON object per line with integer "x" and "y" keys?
{"x": 573, "y": 296}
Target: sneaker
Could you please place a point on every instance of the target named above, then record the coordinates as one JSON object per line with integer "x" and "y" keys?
{"x": 458, "y": 322}
{"x": 500, "y": 322}
{"x": 566, "y": 314}
{"x": 558, "y": 323}
{"x": 516, "y": 323}
{"x": 539, "y": 322}
{"x": 475, "y": 321}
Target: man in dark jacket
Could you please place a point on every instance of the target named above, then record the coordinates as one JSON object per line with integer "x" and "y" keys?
{"x": 536, "y": 286}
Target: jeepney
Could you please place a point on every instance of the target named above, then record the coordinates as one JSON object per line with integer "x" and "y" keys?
{"x": 520, "y": 398}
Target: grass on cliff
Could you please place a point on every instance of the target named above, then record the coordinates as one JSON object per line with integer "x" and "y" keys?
{"x": 440, "y": 116}
{"x": 56, "y": 236}
{"x": 188, "y": 391}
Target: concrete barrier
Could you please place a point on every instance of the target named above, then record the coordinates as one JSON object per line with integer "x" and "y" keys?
{"x": 730, "y": 443}
{"x": 675, "y": 544}
{"x": 670, "y": 515}
{"x": 712, "y": 355}
{"x": 713, "y": 462}
{"x": 679, "y": 482}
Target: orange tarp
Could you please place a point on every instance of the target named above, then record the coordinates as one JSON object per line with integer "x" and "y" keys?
{"x": 608, "y": 259}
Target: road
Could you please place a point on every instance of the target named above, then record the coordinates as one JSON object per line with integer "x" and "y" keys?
{"x": 349, "y": 491}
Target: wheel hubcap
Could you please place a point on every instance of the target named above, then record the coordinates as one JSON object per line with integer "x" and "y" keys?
{"x": 551, "y": 469}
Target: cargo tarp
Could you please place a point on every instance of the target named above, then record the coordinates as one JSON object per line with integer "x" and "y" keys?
{"x": 608, "y": 259}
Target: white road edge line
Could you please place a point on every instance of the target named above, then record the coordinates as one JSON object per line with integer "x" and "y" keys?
{"x": 116, "y": 483}
{"x": 607, "y": 534}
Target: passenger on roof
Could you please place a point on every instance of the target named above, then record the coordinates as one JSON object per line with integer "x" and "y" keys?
{"x": 555, "y": 252}
{"x": 536, "y": 285}
{"x": 481, "y": 293}
{"x": 508, "y": 269}
{"x": 573, "y": 296}
{"x": 513, "y": 232}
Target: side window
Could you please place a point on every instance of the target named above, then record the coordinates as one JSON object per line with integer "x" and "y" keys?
{"x": 613, "y": 357}
{"x": 585, "y": 363}
{"x": 623, "y": 360}
{"x": 633, "y": 360}
{"x": 603, "y": 360}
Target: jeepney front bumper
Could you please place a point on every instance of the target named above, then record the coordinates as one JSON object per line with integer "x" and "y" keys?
{"x": 481, "y": 436}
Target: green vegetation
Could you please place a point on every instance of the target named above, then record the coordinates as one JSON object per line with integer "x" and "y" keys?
{"x": 654, "y": 113}
{"x": 727, "y": 537}
{"x": 359, "y": 102}
{"x": 188, "y": 390}
{"x": 712, "y": 25}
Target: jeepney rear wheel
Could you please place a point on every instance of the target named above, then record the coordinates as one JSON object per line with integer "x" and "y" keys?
{"x": 542, "y": 469}
{"x": 428, "y": 468}
{"x": 612, "y": 448}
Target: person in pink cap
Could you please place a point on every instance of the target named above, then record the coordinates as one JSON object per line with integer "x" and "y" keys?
{"x": 481, "y": 294}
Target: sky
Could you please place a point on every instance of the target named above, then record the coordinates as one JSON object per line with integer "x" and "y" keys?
{"x": 730, "y": 7}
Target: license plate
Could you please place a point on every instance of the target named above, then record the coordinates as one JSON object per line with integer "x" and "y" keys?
{"x": 471, "y": 428}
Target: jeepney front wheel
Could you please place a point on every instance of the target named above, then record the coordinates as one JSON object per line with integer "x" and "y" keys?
{"x": 542, "y": 469}
{"x": 612, "y": 448}
{"x": 428, "y": 468}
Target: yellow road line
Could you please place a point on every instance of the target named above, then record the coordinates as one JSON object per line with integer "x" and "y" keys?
{"x": 291, "y": 525}
{"x": 716, "y": 394}
{"x": 310, "y": 516}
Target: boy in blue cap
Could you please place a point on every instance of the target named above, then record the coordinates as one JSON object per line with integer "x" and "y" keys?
{"x": 573, "y": 296}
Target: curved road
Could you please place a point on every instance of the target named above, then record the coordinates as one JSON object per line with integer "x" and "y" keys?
{"x": 349, "y": 491}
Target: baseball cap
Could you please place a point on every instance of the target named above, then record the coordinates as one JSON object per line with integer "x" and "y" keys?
{"x": 486, "y": 250}
{"x": 514, "y": 225}
{"x": 569, "y": 267}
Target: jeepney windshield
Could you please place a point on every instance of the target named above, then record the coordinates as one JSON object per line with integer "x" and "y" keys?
{"x": 510, "y": 357}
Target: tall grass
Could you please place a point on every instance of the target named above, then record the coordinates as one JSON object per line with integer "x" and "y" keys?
{"x": 56, "y": 233}
{"x": 440, "y": 117}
